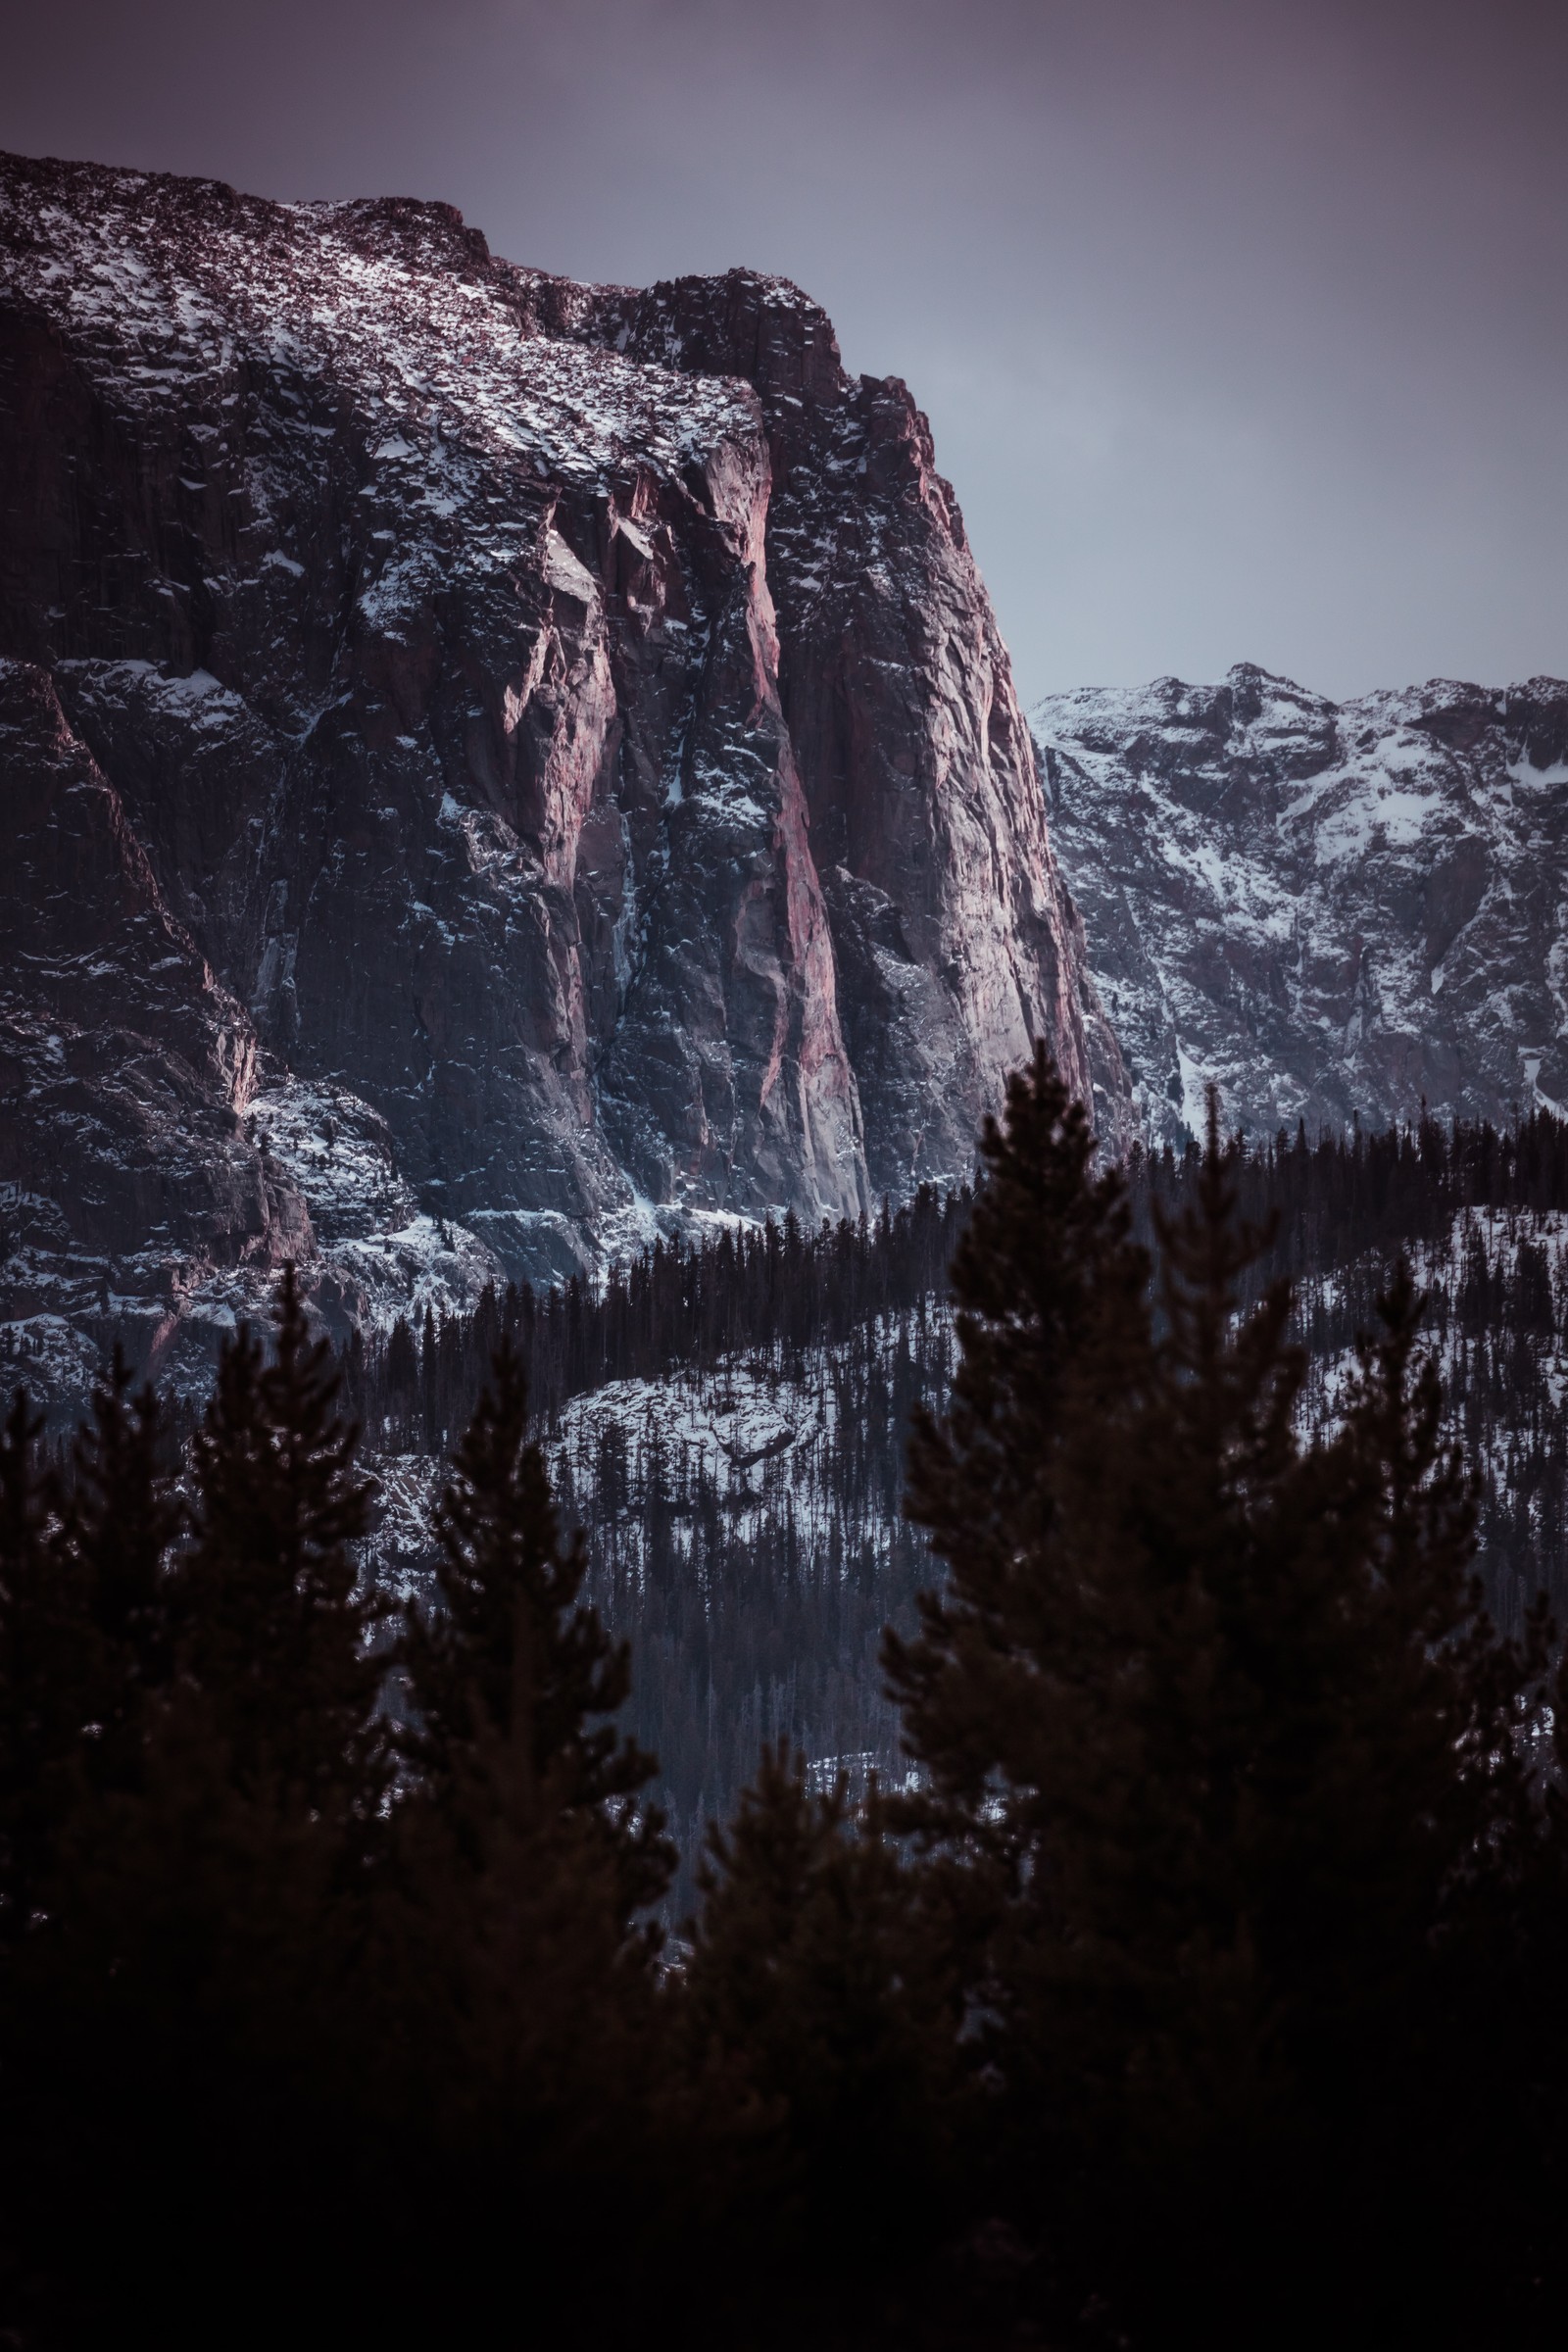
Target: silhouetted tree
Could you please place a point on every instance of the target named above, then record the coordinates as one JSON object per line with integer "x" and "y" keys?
{"x": 120, "y": 1517}
{"x": 184, "y": 2036}
{"x": 45, "y": 1678}
{"x": 1212, "y": 1730}
{"x": 818, "y": 1988}
{"x": 512, "y": 1663}
{"x": 276, "y": 1626}
{"x": 516, "y": 1971}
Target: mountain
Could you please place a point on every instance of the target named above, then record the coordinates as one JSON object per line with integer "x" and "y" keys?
{"x": 494, "y": 768}
{"x": 1336, "y": 910}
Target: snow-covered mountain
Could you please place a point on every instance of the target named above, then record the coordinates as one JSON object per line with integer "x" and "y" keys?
{"x": 543, "y": 748}
{"x": 1335, "y": 910}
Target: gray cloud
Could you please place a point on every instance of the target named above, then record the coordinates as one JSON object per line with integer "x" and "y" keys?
{"x": 1239, "y": 323}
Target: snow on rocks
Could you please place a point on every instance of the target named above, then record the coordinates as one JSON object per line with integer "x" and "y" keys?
{"x": 467, "y": 654}
{"x": 1334, "y": 911}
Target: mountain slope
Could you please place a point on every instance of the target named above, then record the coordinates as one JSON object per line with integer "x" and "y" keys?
{"x": 567, "y": 720}
{"x": 1334, "y": 910}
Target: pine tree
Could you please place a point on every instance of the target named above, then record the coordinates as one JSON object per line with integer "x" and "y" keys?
{"x": 1053, "y": 1344}
{"x": 523, "y": 2024}
{"x": 120, "y": 1522}
{"x": 45, "y": 1676}
{"x": 100, "y": 1678}
{"x": 512, "y": 1663}
{"x": 194, "y": 2036}
{"x": 1205, "y": 1714}
{"x": 816, "y": 1989}
{"x": 276, "y": 1630}
{"x": 209, "y": 2000}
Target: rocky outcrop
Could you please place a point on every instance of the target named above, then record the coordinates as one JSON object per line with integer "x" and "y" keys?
{"x": 124, "y": 1064}
{"x": 1336, "y": 911}
{"x": 565, "y": 723}
{"x": 957, "y": 944}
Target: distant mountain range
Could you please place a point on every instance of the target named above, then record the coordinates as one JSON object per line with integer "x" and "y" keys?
{"x": 1335, "y": 910}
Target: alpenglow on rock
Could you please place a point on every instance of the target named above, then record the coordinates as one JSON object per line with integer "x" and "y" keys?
{"x": 1335, "y": 910}
{"x": 562, "y": 765}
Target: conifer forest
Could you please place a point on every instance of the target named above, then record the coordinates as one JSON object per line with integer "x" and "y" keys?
{"x": 729, "y": 1422}
{"x": 992, "y": 1775}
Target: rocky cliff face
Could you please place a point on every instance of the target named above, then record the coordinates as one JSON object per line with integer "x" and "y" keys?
{"x": 507, "y": 761}
{"x": 1334, "y": 910}
{"x": 954, "y": 942}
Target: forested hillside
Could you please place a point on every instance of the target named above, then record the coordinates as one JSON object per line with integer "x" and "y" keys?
{"x": 1209, "y": 1936}
{"x": 729, "y": 1422}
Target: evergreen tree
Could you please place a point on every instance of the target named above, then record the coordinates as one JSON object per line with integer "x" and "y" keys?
{"x": 193, "y": 2032}
{"x": 276, "y": 1630}
{"x": 1054, "y": 1342}
{"x": 45, "y": 1680}
{"x": 522, "y": 2024}
{"x": 1210, "y": 1730}
{"x": 121, "y": 1519}
{"x": 816, "y": 1989}
{"x": 512, "y": 1664}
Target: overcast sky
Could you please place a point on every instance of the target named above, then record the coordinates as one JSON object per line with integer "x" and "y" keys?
{"x": 1241, "y": 323}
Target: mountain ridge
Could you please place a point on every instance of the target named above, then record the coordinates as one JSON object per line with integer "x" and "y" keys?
{"x": 1336, "y": 911}
{"x": 565, "y": 721}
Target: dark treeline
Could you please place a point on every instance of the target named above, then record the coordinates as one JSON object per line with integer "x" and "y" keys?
{"x": 759, "y": 1286}
{"x": 1201, "y": 1982}
{"x": 1323, "y": 1204}
{"x": 1495, "y": 1305}
{"x": 755, "y": 1600}
{"x": 753, "y": 1597}
{"x": 1473, "y": 1208}
{"x": 777, "y": 1287}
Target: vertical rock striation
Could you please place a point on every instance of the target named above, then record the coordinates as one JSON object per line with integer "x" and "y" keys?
{"x": 566, "y": 725}
{"x": 124, "y": 1064}
{"x": 956, "y": 943}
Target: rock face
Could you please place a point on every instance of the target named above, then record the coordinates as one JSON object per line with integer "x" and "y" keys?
{"x": 1332, "y": 911}
{"x": 954, "y": 943}
{"x": 536, "y": 759}
{"x": 122, "y": 1058}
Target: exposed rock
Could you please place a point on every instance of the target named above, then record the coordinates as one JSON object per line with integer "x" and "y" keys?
{"x": 566, "y": 720}
{"x": 1336, "y": 911}
{"x": 123, "y": 1061}
{"x": 956, "y": 942}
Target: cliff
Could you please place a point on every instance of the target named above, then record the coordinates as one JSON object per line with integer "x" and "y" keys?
{"x": 555, "y": 740}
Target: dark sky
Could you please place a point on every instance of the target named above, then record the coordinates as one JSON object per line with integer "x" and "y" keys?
{"x": 1241, "y": 323}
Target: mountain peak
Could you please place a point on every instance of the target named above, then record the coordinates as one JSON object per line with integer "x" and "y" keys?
{"x": 566, "y": 721}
